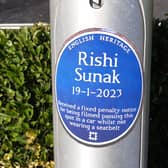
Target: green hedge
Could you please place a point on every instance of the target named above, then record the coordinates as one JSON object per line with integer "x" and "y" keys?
{"x": 26, "y": 135}
{"x": 158, "y": 138}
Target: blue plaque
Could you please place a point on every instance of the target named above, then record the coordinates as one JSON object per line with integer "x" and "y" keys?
{"x": 98, "y": 86}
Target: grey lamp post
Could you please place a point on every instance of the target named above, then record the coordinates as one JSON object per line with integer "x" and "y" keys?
{"x": 100, "y": 69}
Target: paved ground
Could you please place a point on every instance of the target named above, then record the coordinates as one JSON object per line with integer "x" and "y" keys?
{"x": 24, "y": 11}
{"x": 160, "y": 8}
{"x": 31, "y": 11}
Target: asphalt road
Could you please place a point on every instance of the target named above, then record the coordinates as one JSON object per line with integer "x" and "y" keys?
{"x": 160, "y": 8}
{"x": 24, "y": 11}
{"x": 32, "y": 11}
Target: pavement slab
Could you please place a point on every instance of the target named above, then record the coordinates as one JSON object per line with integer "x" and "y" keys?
{"x": 24, "y": 11}
{"x": 32, "y": 11}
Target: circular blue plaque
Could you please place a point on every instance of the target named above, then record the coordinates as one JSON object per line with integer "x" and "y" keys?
{"x": 98, "y": 86}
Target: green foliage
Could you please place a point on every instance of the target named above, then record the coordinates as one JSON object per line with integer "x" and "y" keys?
{"x": 159, "y": 96}
{"x": 25, "y": 97}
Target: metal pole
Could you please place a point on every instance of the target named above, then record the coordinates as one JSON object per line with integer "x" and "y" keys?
{"x": 100, "y": 69}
